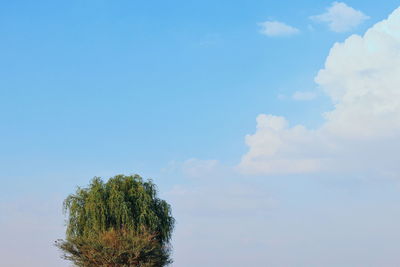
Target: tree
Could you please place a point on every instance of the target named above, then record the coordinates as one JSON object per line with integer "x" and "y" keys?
{"x": 116, "y": 248}
{"x": 118, "y": 223}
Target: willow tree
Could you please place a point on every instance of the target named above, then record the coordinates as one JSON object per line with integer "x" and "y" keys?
{"x": 121, "y": 222}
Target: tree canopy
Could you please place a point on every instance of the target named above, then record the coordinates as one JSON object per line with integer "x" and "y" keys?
{"x": 122, "y": 216}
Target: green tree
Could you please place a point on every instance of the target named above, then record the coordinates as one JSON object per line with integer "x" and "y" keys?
{"x": 118, "y": 223}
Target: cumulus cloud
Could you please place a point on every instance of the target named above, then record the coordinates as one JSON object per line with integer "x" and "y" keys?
{"x": 303, "y": 95}
{"x": 362, "y": 77}
{"x": 276, "y": 28}
{"x": 341, "y": 17}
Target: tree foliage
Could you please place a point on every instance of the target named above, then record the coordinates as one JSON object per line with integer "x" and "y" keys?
{"x": 114, "y": 248}
{"x": 122, "y": 222}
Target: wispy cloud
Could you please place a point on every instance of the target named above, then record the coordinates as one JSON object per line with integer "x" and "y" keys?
{"x": 276, "y": 28}
{"x": 341, "y": 17}
{"x": 303, "y": 95}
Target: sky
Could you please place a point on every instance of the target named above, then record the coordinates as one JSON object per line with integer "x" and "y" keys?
{"x": 271, "y": 127}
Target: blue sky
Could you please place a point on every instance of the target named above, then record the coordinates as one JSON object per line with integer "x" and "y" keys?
{"x": 170, "y": 89}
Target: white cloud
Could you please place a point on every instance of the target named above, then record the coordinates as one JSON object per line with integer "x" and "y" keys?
{"x": 361, "y": 133}
{"x": 303, "y": 95}
{"x": 276, "y": 28}
{"x": 341, "y": 18}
